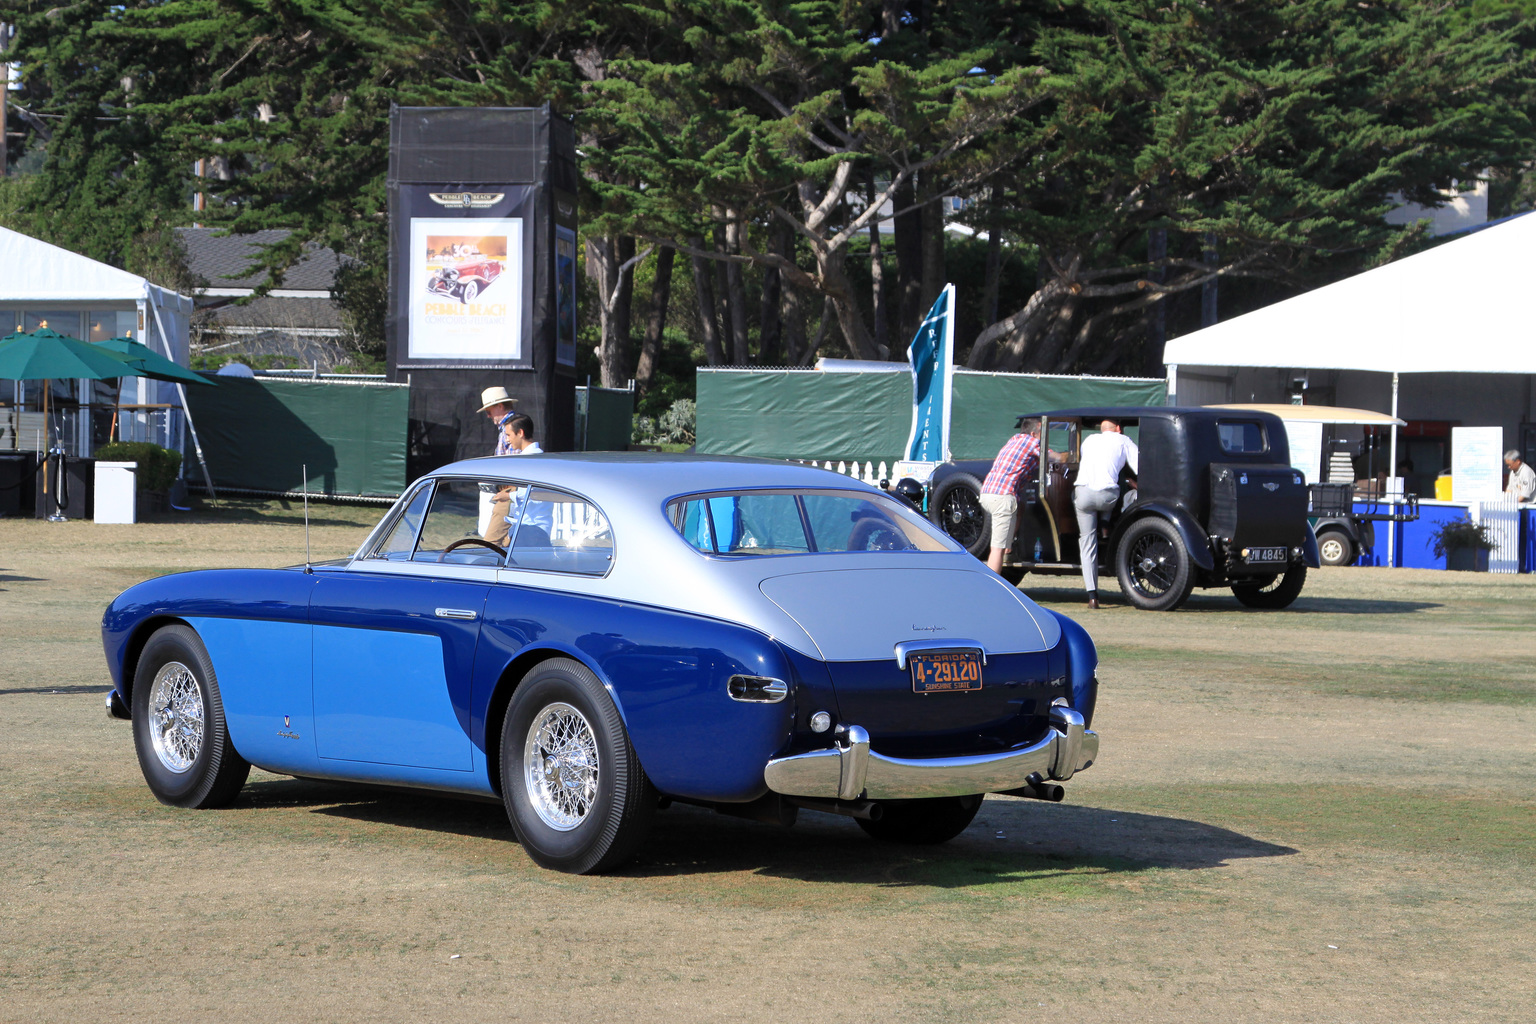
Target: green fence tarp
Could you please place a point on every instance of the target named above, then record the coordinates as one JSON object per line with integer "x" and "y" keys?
{"x": 610, "y": 415}
{"x": 258, "y": 435}
{"x": 800, "y": 414}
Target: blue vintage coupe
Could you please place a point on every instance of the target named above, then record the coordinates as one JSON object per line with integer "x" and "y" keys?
{"x": 750, "y": 636}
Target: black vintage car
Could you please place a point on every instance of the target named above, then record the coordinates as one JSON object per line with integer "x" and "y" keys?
{"x": 1217, "y": 504}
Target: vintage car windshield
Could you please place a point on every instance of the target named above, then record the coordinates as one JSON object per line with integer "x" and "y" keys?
{"x": 800, "y": 522}
{"x": 470, "y": 522}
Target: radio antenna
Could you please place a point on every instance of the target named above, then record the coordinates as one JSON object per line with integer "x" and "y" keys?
{"x": 307, "y": 567}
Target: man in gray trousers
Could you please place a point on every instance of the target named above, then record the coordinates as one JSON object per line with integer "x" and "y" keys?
{"x": 1101, "y": 457}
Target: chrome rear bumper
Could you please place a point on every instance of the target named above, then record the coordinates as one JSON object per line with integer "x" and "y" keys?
{"x": 850, "y": 770}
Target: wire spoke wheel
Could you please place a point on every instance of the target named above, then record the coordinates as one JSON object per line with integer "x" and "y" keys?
{"x": 561, "y": 765}
{"x": 177, "y": 719}
{"x": 1154, "y": 565}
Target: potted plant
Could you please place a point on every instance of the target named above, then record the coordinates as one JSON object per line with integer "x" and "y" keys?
{"x": 1463, "y": 544}
{"x": 157, "y": 469}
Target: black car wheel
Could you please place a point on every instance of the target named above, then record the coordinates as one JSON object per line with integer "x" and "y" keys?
{"x": 874, "y": 534}
{"x": 956, "y": 509}
{"x": 573, "y": 787}
{"x": 1334, "y": 548}
{"x": 1153, "y": 566}
{"x": 1272, "y": 591}
{"x": 923, "y": 822}
{"x": 179, "y": 730}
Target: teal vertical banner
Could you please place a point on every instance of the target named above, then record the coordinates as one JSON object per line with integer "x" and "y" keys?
{"x": 932, "y": 355}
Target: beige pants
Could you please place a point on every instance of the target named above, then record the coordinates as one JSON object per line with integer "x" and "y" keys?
{"x": 496, "y": 532}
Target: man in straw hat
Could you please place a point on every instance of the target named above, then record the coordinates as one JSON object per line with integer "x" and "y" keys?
{"x": 499, "y": 406}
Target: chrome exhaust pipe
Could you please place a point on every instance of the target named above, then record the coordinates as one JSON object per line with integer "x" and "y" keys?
{"x": 1036, "y": 788}
{"x": 864, "y": 810}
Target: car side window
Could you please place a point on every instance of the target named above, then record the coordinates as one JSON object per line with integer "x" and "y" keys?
{"x": 456, "y": 525}
{"x": 398, "y": 544}
{"x": 561, "y": 532}
{"x": 1241, "y": 437}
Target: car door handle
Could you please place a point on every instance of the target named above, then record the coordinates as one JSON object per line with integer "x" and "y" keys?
{"x": 455, "y": 613}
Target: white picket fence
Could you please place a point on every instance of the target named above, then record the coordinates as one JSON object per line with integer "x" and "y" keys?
{"x": 869, "y": 472}
{"x": 1503, "y": 521}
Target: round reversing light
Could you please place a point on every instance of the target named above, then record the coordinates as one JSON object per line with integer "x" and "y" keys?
{"x": 821, "y": 722}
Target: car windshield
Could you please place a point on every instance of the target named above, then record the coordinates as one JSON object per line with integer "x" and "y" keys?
{"x": 800, "y": 522}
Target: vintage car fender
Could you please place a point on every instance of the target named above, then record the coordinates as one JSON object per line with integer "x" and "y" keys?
{"x": 1309, "y": 553}
{"x": 1082, "y": 666}
{"x": 1194, "y": 538}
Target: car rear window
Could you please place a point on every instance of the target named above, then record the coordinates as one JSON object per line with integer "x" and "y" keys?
{"x": 1241, "y": 437}
{"x": 800, "y": 522}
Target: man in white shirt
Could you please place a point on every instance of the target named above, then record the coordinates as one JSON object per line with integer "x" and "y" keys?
{"x": 1101, "y": 457}
{"x": 517, "y": 439}
{"x": 1522, "y": 479}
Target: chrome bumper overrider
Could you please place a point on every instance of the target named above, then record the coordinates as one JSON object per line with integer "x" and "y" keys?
{"x": 850, "y": 770}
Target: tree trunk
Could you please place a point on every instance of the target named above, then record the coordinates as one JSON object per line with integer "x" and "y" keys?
{"x": 839, "y": 292}
{"x": 624, "y": 304}
{"x": 722, "y": 293}
{"x": 781, "y": 242}
{"x": 741, "y": 354}
{"x": 655, "y": 325}
{"x": 877, "y": 274}
{"x": 705, "y": 292}
{"x": 933, "y": 249}
{"x": 1008, "y": 341}
{"x": 603, "y": 269}
{"x": 907, "y": 240}
{"x": 992, "y": 282}
{"x": 793, "y": 310}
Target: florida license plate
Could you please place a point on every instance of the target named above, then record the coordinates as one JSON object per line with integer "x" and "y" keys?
{"x": 946, "y": 672}
{"x": 1266, "y": 554}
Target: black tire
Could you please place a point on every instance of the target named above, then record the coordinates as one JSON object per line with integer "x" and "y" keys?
{"x": 1153, "y": 566}
{"x": 470, "y": 292}
{"x": 1014, "y": 574}
{"x": 956, "y": 509}
{"x": 1335, "y": 548}
{"x": 1273, "y": 592}
{"x": 605, "y": 819}
{"x": 183, "y": 744}
{"x": 923, "y": 822}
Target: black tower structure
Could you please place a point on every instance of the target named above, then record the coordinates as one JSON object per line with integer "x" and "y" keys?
{"x": 482, "y": 273}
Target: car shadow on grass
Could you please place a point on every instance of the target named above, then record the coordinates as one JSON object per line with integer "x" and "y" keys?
{"x": 1011, "y": 841}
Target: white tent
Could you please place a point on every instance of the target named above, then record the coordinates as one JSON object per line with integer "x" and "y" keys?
{"x": 1400, "y": 318}
{"x": 35, "y": 275}
{"x": 1456, "y": 308}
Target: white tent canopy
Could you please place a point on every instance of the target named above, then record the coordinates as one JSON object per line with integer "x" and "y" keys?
{"x": 1400, "y": 318}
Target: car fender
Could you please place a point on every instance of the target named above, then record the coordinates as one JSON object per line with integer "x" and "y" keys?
{"x": 1082, "y": 666}
{"x": 1309, "y": 552}
{"x": 1194, "y": 538}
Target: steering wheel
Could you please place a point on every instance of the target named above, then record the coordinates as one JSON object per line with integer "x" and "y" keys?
{"x": 472, "y": 540}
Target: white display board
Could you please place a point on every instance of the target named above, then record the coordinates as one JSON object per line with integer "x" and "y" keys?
{"x": 1477, "y": 463}
{"x": 1306, "y": 442}
{"x": 466, "y": 286}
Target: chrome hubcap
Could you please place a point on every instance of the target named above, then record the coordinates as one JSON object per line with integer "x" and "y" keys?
{"x": 176, "y": 717}
{"x": 560, "y": 766}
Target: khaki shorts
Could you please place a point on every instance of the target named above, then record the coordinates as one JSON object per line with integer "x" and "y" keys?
{"x": 1004, "y": 509}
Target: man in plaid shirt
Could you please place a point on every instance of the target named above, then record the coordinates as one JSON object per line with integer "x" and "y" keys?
{"x": 1017, "y": 460}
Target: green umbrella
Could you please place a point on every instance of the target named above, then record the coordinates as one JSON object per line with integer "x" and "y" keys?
{"x": 150, "y": 363}
{"x": 45, "y": 354}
